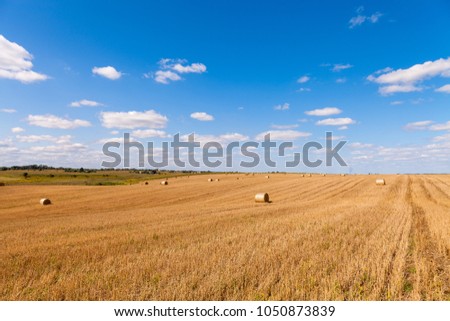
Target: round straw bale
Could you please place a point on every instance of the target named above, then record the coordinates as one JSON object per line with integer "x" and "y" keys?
{"x": 262, "y": 198}
{"x": 302, "y": 175}
{"x": 164, "y": 183}
{"x": 217, "y": 179}
{"x": 210, "y": 179}
{"x": 146, "y": 183}
{"x": 380, "y": 181}
{"x": 267, "y": 176}
{"x": 45, "y": 201}
{"x": 2, "y": 184}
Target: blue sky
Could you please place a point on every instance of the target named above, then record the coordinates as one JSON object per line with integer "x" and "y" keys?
{"x": 72, "y": 73}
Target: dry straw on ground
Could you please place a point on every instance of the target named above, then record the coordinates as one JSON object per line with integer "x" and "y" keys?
{"x": 333, "y": 239}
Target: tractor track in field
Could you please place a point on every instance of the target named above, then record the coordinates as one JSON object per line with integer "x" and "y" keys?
{"x": 422, "y": 252}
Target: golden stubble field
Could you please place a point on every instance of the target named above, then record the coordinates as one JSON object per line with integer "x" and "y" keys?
{"x": 322, "y": 238}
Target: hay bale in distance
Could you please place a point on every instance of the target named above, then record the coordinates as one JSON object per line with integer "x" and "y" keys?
{"x": 217, "y": 180}
{"x": 380, "y": 181}
{"x": 45, "y": 201}
{"x": 210, "y": 179}
{"x": 2, "y": 184}
{"x": 302, "y": 175}
{"x": 164, "y": 183}
{"x": 146, "y": 183}
{"x": 262, "y": 198}
{"x": 267, "y": 176}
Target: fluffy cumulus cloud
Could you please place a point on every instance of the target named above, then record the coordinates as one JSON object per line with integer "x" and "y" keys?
{"x": 133, "y": 119}
{"x": 85, "y": 102}
{"x": 16, "y": 130}
{"x": 410, "y": 79}
{"x": 284, "y": 106}
{"x": 327, "y": 111}
{"x": 202, "y": 116}
{"x": 361, "y": 18}
{"x": 107, "y": 72}
{"x": 282, "y": 135}
{"x": 166, "y": 76}
{"x": 52, "y": 121}
{"x": 170, "y": 70}
{"x": 335, "y": 122}
{"x": 15, "y": 63}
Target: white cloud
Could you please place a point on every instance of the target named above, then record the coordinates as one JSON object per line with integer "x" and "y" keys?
{"x": 224, "y": 138}
{"x": 303, "y": 89}
{"x": 445, "y": 137}
{"x": 17, "y": 130}
{"x": 197, "y": 68}
{"x": 52, "y": 121}
{"x": 59, "y": 149}
{"x": 339, "y": 67}
{"x": 327, "y": 111}
{"x": 397, "y": 102}
{"x": 8, "y": 110}
{"x": 285, "y": 106}
{"x": 107, "y": 72}
{"x": 85, "y": 102}
{"x": 400, "y": 88}
{"x": 359, "y": 19}
{"x": 418, "y": 125}
{"x": 284, "y": 126}
{"x": 164, "y": 77}
{"x": 133, "y": 119}
{"x": 15, "y": 63}
{"x": 444, "y": 89}
{"x": 406, "y": 80}
{"x": 171, "y": 68}
{"x": 358, "y": 145}
{"x": 303, "y": 79}
{"x": 343, "y": 128}
{"x": 335, "y": 122}
{"x": 44, "y": 138}
{"x": 282, "y": 135}
{"x": 147, "y": 133}
{"x": 341, "y": 80}
{"x": 438, "y": 127}
{"x": 202, "y": 116}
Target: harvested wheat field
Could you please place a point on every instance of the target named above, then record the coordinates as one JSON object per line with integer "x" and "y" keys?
{"x": 320, "y": 238}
